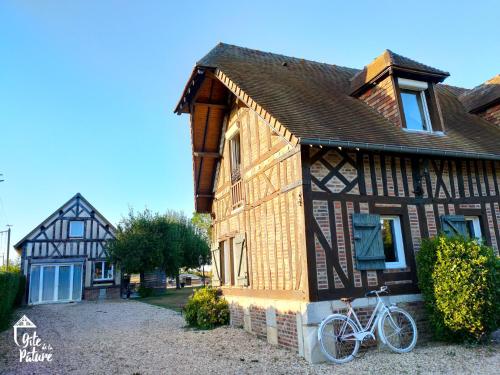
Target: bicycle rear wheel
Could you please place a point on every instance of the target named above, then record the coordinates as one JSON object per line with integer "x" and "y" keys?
{"x": 399, "y": 330}
{"x": 336, "y": 337}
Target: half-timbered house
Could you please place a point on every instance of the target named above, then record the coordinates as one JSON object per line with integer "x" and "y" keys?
{"x": 64, "y": 258}
{"x": 323, "y": 180}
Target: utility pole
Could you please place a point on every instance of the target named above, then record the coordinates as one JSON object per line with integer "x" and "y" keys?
{"x": 8, "y": 244}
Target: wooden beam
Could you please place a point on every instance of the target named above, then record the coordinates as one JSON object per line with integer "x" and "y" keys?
{"x": 204, "y": 154}
{"x": 211, "y": 105}
{"x": 204, "y": 195}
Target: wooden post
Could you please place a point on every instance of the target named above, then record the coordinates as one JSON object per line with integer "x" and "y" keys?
{"x": 8, "y": 246}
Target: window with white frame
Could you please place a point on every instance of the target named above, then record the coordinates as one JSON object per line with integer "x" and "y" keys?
{"x": 76, "y": 228}
{"x": 393, "y": 242}
{"x": 234, "y": 145}
{"x": 103, "y": 270}
{"x": 473, "y": 227}
{"x": 415, "y": 108}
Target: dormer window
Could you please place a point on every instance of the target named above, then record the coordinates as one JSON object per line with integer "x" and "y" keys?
{"x": 414, "y": 103}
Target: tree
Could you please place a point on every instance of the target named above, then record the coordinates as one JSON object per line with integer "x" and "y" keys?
{"x": 146, "y": 240}
{"x": 203, "y": 224}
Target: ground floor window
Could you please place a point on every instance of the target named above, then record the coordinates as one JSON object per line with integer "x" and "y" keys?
{"x": 103, "y": 270}
{"x": 226, "y": 262}
{"x": 473, "y": 225}
{"x": 393, "y": 242}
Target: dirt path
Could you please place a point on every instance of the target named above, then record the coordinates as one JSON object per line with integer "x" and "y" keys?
{"x": 133, "y": 337}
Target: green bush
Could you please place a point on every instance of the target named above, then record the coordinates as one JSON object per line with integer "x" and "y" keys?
{"x": 145, "y": 292}
{"x": 9, "y": 285}
{"x": 206, "y": 309}
{"x": 21, "y": 290}
{"x": 460, "y": 287}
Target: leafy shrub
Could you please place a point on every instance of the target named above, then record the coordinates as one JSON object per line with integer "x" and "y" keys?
{"x": 145, "y": 292}
{"x": 21, "y": 290}
{"x": 460, "y": 287}
{"x": 206, "y": 309}
{"x": 9, "y": 285}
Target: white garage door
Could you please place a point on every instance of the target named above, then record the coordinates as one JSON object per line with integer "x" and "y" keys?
{"x": 55, "y": 283}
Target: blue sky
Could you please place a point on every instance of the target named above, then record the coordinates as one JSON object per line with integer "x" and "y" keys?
{"x": 87, "y": 88}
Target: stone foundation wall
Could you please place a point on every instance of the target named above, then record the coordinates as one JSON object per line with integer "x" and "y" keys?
{"x": 99, "y": 293}
{"x": 294, "y": 324}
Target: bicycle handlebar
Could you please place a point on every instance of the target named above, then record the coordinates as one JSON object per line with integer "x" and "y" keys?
{"x": 383, "y": 289}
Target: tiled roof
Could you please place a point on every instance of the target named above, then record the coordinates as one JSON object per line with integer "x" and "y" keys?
{"x": 482, "y": 95}
{"x": 312, "y": 100}
{"x": 390, "y": 60}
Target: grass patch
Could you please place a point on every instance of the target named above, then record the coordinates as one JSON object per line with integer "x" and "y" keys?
{"x": 173, "y": 299}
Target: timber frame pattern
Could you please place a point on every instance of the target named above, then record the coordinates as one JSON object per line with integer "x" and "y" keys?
{"x": 338, "y": 183}
{"x": 51, "y": 241}
{"x": 301, "y": 190}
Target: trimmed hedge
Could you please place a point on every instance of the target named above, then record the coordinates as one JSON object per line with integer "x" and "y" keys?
{"x": 206, "y": 309}
{"x": 459, "y": 283}
{"x": 11, "y": 291}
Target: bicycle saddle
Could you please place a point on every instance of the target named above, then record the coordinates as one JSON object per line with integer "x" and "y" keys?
{"x": 346, "y": 299}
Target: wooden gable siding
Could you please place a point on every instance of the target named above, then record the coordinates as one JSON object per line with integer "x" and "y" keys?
{"x": 51, "y": 239}
{"x": 338, "y": 183}
{"x": 208, "y": 112}
{"x": 272, "y": 218}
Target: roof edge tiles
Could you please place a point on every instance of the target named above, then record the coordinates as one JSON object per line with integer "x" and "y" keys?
{"x": 482, "y": 96}
{"x": 388, "y": 62}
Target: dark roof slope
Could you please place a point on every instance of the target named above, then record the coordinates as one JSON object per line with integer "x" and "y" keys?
{"x": 390, "y": 60}
{"x": 482, "y": 96}
{"x": 53, "y": 216}
{"x": 312, "y": 100}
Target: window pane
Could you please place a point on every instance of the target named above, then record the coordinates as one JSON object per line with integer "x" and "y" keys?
{"x": 108, "y": 270}
{"x": 390, "y": 250}
{"x": 76, "y": 228}
{"x": 49, "y": 283}
{"x": 34, "y": 284}
{"x": 77, "y": 282}
{"x": 63, "y": 292}
{"x": 470, "y": 228}
{"x": 413, "y": 110}
{"x": 235, "y": 157}
{"x": 98, "y": 271}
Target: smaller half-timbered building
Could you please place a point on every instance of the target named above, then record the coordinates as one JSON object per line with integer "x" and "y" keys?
{"x": 64, "y": 258}
{"x": 323, "y": 180}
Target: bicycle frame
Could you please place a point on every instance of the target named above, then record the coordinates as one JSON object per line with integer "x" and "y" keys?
{"x": 371, "y": 325}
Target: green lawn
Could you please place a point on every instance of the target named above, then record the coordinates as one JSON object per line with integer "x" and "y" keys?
{"x": 173, "y": 299}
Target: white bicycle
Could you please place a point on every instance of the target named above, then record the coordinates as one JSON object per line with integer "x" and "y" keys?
{"x": 340, "y": 336}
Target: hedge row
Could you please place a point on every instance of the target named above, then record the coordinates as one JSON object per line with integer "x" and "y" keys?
{"x": 459, "y": 281}
{"x": 12, "y": 285}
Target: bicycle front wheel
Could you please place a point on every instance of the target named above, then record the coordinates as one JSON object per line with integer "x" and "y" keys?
{"x": 399, "y": 330}
{"x": 337, "y": 340}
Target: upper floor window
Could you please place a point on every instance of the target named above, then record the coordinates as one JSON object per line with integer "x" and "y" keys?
{"x": 76, "y": 228}
{"x": 414, "y": 102}
{"x": 234, "y": 146}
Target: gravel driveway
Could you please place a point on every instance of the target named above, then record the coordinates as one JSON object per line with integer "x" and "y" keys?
{"x": 133, "y": 337}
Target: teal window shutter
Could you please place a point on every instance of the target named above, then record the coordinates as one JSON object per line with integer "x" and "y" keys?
{"x": 453, "y": 225}
{"x": 368, "y": 243}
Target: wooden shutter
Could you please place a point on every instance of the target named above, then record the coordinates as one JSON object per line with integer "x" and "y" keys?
{"x": 216, "y": 270}
{"x": 240, "y": 260}
{"x": 453, "y": 225}
{"x": 368, "y": 243}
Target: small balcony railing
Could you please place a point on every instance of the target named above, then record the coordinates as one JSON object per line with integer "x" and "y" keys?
{"x": 237, "y": 194}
